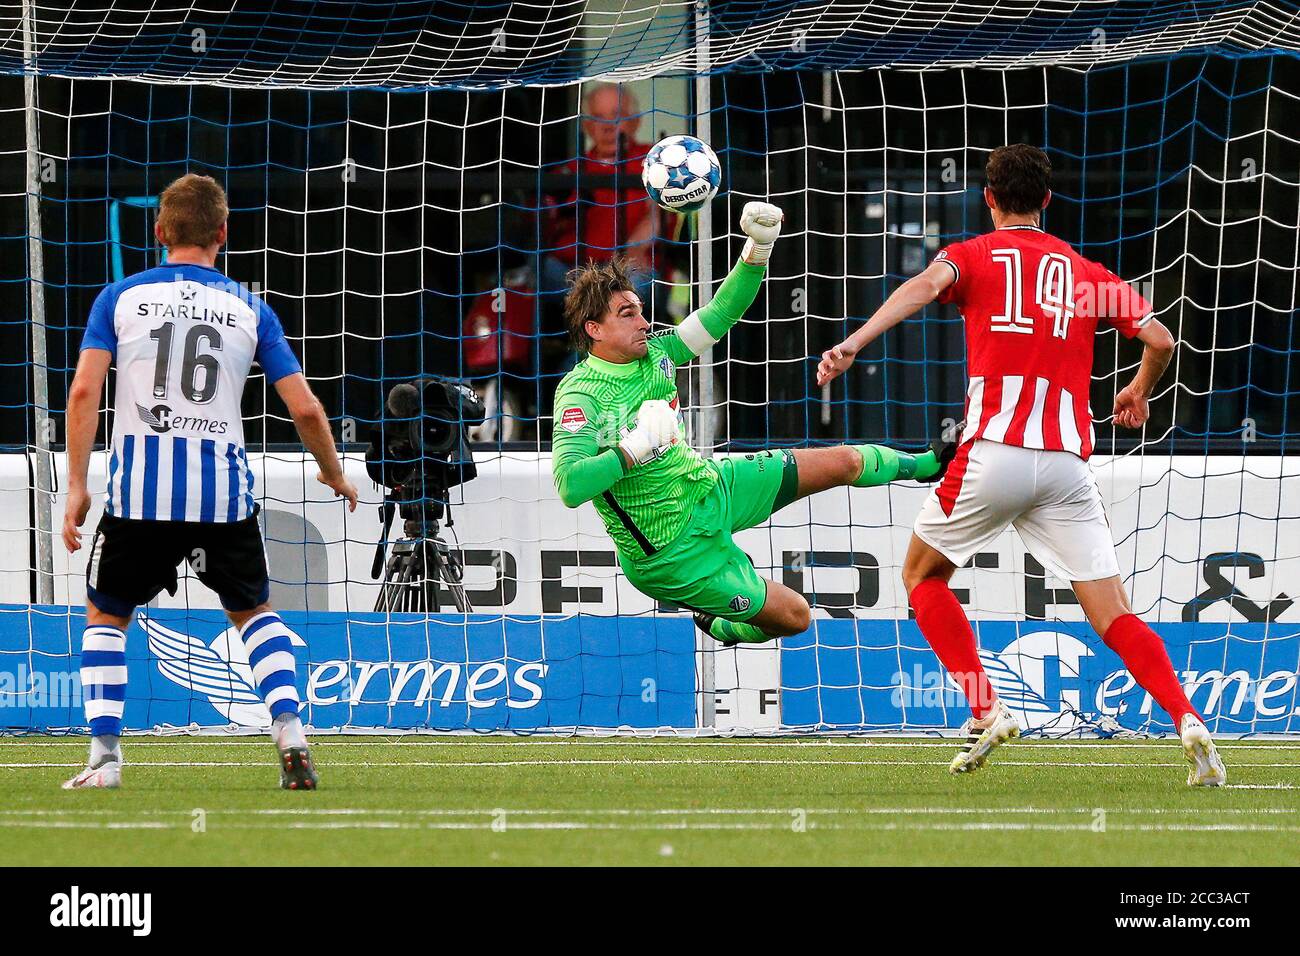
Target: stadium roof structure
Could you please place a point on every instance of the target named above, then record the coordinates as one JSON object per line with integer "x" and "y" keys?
{"x": 418, "y": 44}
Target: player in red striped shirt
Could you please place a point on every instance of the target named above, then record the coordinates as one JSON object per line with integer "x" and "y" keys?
{"x": 1031, "y": 307}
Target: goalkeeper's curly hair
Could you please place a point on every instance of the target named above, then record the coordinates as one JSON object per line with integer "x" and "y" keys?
{"x": 590, "y": 288}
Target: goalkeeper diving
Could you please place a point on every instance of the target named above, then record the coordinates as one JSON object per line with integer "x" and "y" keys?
{"x": 618, "y": 443}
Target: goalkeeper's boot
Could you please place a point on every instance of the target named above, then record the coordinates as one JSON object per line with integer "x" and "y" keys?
{"x": 981, "y": 741}
{"x": 296, "y": 770}
{"x": 107, "y": 776}
{"x": 704, "y": 622}
{"x": 1207, "y": 767}
{"x": 945, "y": 449}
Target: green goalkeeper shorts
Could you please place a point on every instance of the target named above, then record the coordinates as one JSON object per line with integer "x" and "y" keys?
{"x": 703, "y": 569}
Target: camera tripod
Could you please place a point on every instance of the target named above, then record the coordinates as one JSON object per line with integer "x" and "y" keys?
{"x": 420, "y": 566}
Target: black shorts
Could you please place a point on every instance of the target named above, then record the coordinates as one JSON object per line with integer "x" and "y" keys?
{"x": 132, "y": 560}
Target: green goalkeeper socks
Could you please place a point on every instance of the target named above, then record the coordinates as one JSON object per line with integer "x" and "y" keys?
{"x": 925, "y": 465}
{"x": 734, "y": 631}
{"x": 881, "y": 465}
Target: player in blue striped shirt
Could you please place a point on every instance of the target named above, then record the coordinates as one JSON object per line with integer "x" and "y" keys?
{"x": 183, "y": 337}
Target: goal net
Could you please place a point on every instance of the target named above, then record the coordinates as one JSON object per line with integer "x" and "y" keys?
{"x": 409, "y": 183}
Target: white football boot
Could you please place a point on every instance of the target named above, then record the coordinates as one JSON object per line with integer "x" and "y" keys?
{"x": 980, "y": 741}
{"x": 107, "y": 775}
{"x": 1207, "y": 767}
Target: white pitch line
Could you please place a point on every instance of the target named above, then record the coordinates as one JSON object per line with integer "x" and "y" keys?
{"x": 132, "y": 764}
{"x": 88, "y": 825}
{"x": 460, "y": 741}
{"x": 630, "y": 762}
{"x": 1124, "y": 827}
{"x": 393, "y": 825}
{"x": 661, "y": 811}
{"x": 677, "y": 826}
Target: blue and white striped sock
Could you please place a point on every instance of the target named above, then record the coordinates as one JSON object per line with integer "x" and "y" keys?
{"x": 268, "y": 641}
{"x": 103, "y": 678}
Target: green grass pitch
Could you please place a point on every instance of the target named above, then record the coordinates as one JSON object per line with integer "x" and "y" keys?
{"x": 502, "y": 800}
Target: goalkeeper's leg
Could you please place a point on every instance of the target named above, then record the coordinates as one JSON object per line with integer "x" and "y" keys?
{"x": 730, "y": 601}
{"x": 734, "y": 605}
{"x": 785, "y": 612}
{"x": 866, "y": 465}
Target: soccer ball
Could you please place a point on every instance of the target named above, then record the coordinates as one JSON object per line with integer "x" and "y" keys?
{"x": 681, "y": 173}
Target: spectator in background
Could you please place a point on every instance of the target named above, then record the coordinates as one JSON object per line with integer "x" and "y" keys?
{"x": 608, "y": 112}
{"x": 596, "y": 222}
{"x": 601, "y": 211}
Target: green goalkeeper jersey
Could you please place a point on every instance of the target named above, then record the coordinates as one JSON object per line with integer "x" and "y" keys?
{"x": 645, "y": 507}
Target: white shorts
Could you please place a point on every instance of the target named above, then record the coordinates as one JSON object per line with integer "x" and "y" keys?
{"x": 1050, "y": 497}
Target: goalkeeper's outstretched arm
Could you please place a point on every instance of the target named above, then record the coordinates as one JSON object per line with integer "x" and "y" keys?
{"x": 908, "y": 299}
{"x": 703, "y": 328}
{"x": 580, "y": 466}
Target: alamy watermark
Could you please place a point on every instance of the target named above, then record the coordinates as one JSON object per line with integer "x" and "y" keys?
{"x": 25, "y": 688}
{"x": 76, "y": 908}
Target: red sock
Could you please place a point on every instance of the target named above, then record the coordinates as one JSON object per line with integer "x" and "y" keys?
{"x": 943, "y": 622}
{"x": 1144, "y": 654}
